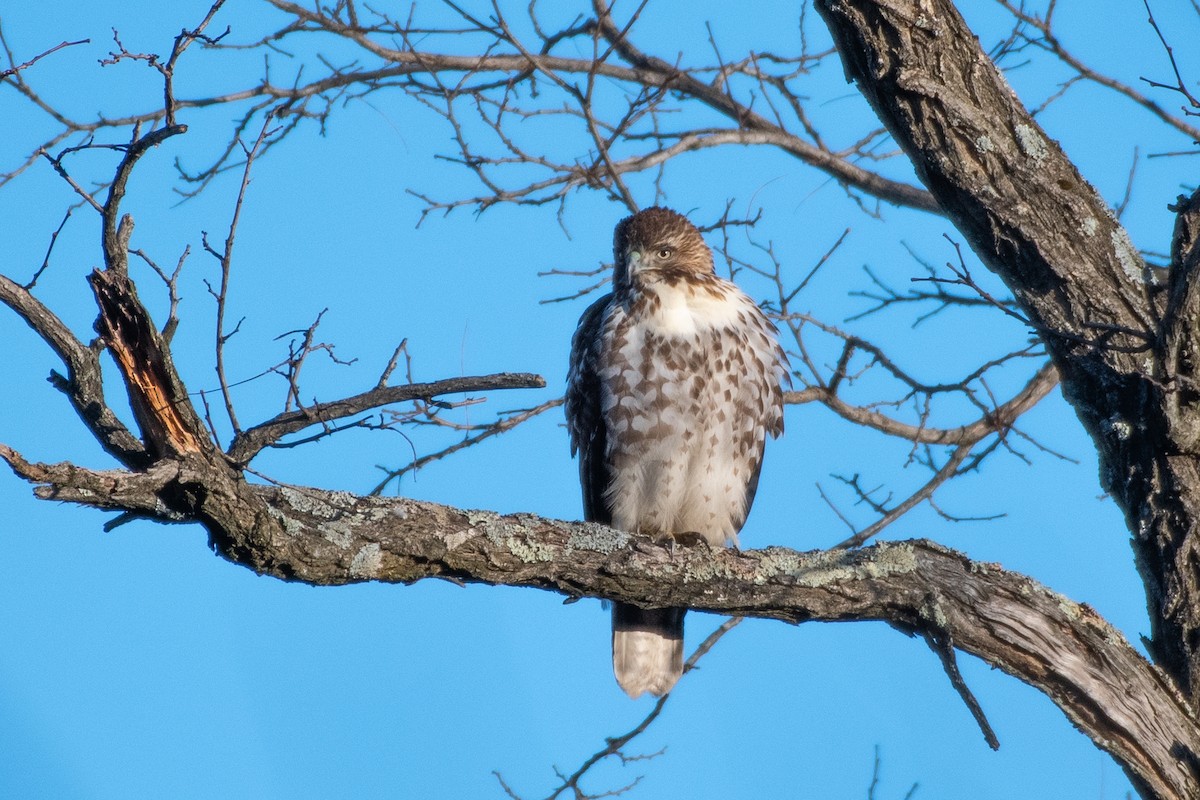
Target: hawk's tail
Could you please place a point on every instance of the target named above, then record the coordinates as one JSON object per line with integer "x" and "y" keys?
{"x": 647, "y": 648}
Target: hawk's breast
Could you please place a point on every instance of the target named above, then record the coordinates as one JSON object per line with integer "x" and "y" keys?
{"x": 690, "y": 385}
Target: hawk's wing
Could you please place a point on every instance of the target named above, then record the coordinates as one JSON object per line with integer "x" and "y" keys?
{"x": 757, "y": 393}
{"x": 585, "y": 420}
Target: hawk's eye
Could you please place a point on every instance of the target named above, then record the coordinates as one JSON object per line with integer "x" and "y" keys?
{"x": 664, "y": 252}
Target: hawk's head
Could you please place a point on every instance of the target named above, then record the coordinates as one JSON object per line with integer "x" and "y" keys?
{"x": 658, "y": 240}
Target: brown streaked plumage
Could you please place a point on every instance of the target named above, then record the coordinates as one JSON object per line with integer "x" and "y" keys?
{"x": 674, "y": 384}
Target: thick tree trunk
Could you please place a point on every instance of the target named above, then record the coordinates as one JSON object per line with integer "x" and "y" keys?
{"x": 1125, "y": 352}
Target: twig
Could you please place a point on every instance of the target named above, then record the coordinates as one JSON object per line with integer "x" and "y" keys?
{"x": 613, "y": 745}
{"x": 13, "y": 70}
{"x": 942, "y": 643}
{"x": 225, "y": 259}
{"x": 488, "y": 431}
{"x": 251, "y": 441}
{"x": 890, "y": 515}
{"x": 1179, "y": 86}
{"x": 50, "y": 248}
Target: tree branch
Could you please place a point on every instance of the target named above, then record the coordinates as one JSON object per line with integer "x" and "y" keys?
{"x": 1010, "y": 621}
{"x": 638, "y": 70}
{"x": 84, "y": 384}
{"x": 168, "y": 422}
{"x": 247, "y": 444}
{"x": 997, "y": 420}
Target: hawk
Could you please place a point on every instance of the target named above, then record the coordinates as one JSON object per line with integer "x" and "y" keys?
{"x": 674, "y": 383}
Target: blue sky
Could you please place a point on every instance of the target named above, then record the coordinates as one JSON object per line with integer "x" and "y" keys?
{"x": 137, "y": 664}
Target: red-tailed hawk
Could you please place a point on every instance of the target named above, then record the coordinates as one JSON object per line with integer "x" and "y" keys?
{"x": 674, "y": 384}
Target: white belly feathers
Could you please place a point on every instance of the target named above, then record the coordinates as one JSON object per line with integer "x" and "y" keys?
{"x": 690, "y": 383}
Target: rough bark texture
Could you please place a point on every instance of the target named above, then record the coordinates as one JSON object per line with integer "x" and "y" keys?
{"x": 327, "y": 538}
{"x": 1125, "y": 353}
{"x": 169, "y": 423}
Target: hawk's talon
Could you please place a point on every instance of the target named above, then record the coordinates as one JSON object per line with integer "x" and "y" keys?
{"x": 689, "y": 539}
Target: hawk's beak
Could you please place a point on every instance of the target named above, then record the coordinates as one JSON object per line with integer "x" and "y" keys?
{"x": 634, "y": 259}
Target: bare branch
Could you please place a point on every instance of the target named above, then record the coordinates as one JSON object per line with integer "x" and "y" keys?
{"x": 1180, "y": 86}
{"x": 225, "y": 257}
{"x": 84, "y": 384}
{"x": 251, "y": 441}
{"x": 50, "y": 249}
{"x": 943, "y": 645}
{"x": 1064, "y": 649}
{"x": 614, "y": 745}
{"x": 15, "y": 68}
{"x": 649, "y": 78}
{"x": 1048, "y": 41}
{"x": 890, "y": 515}
{"x": 496, "y": 428}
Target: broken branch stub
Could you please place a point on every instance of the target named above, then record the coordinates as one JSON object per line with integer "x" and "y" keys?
{"x": 168, "y": 422}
